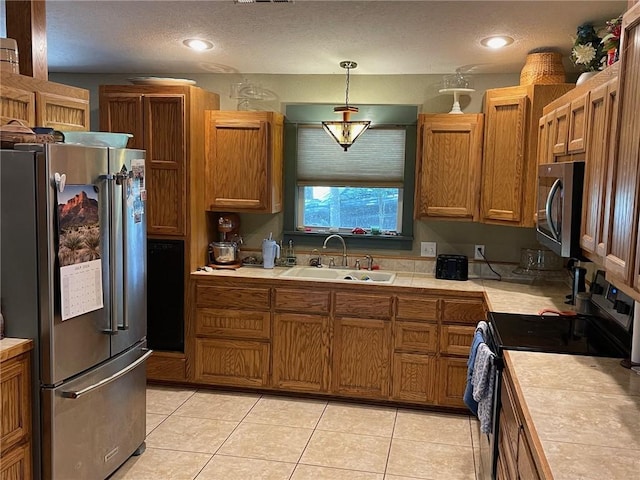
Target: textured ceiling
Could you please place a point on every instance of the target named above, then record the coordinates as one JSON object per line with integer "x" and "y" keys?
{"x": 309, "y": 37}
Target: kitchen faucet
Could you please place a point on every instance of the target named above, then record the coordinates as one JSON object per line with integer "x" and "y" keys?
{"x": 344, "y": 247}
{"x": 369, "y": 260}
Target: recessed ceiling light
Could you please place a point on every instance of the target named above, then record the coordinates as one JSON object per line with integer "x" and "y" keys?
{"x": 197, "y": 44}
{"x": 496, "y": 41}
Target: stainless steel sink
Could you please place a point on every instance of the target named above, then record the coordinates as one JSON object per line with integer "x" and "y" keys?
{"x": 339, "y": 274}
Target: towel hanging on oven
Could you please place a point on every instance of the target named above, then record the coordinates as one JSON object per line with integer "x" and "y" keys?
{"x": 478, "y": 338}
{"x": 482, "y": 380}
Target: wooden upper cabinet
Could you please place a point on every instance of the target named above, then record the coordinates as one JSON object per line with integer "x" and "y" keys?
{"x": 560, "y": 130}
{"x": 503, "y": 167}
{"x": 621, "y": 219}
{"x": 577, "y": 124}
{"x": 61, "y": 112}
{"x": 448, "y": 166}
{"x": 167, "y": 122}
{"x": 599, "y": 145}
{"x": 123, "y": 112}
{"x": 545, "y": 148}
{"x": 510, "y": 155}
{"x": 244, "y": 152}
{"x": 40, "y": 103}
{"x": 157, "y": 122}
{"x": 17, "y": 104}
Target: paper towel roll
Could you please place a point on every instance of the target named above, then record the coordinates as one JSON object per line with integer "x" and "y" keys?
{"x": 635, "y": 341}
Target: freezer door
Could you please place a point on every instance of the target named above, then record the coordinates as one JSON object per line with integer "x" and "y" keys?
{"x": 92, "y": 424}
{"x": 65, "y": 236}
{"x": 128, "y": 248}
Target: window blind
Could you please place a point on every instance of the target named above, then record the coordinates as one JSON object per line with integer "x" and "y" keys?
{"x": 375, "y": 159}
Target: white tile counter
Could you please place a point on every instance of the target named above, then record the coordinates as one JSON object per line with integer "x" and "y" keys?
{"x": 585, "y": 411}
{"x": 502, "y": 296}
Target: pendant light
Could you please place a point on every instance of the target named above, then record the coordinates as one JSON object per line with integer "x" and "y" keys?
{"x": 346, "y": 132}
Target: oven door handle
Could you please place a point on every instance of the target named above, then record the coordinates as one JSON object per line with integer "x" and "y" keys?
{"x": 555, "y": 188}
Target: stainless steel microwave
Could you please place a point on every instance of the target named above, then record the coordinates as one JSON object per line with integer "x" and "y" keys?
{"x": 559, "y": 206}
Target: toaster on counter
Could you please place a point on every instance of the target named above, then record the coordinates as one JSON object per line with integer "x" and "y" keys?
{"x": 452, "y": 267}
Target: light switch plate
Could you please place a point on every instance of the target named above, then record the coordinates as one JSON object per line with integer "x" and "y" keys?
{"x": 427, "y": 249}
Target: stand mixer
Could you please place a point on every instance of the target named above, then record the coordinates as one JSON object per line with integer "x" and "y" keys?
{"x": 228, "y": 227}
{"x": 224, "y": 253}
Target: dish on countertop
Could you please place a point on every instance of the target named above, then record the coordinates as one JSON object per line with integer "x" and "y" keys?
{"x": 161, "y": 81}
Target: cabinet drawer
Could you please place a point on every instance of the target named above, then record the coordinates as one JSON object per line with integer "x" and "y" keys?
{"x": 307, "y": 301}
{"x": 463, "y": 311}
{"x": 456, "y": 340}
{"x": 241, "y": 298}
{"x": 363, "y": 306}
{"x": 232, "y": 362}
{"x": 416, "y": 309}
{"x": 233, "y": 323}
{"x": 416, "y": 337}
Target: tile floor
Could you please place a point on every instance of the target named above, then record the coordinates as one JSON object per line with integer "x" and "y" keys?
{"x": 211, "y": 434}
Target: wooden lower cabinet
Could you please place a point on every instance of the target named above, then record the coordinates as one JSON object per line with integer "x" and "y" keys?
{"x": 514, "y": 447}
{"x": 368, "y": 343}
{"x": 16, "y": 464}
{"x": 414, "y": 377}
{"x": 361, "y": 357}
{"x": 167, "y": 366}
{"x": 15, "y": 403}
{"x": 243, "y": 363}
{"x": 452, "y": 380}
{"x": 301, "y": 352}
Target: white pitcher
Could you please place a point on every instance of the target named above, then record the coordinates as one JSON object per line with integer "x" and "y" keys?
{"x": 270, "y": 251}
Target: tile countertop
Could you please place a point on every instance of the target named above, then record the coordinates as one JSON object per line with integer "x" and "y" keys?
{"x": 502, "y": 296}
{"x": 585, "y": 411}
{"x": 12, "y": 347}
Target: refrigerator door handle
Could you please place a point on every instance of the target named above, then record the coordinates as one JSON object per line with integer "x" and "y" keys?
{"x": 79, "y": 393}
{"x": 113, "y": 238}
{"x": 122, "y": 180}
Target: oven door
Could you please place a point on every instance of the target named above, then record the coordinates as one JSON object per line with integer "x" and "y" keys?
{"x": 488, "y": 449}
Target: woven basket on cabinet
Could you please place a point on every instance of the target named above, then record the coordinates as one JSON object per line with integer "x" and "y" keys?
{"x": 542, "y": 68}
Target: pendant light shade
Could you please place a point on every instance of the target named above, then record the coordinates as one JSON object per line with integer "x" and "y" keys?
{"x": 346, "y": 132}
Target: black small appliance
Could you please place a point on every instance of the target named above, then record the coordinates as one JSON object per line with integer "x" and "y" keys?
{"x": 578, "y": 275}
{"x": 452, "y": 267}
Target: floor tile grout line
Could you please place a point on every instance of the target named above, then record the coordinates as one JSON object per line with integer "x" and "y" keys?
{"x": 313, "y": 431}
{"x": 238, "y": 425}
{"x": 393, "y": 430}
{"x": 473, "y": 452}
{"x": 181, "y": 404}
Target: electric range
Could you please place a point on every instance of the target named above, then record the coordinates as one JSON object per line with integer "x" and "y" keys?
{"x": 605, "y": 331}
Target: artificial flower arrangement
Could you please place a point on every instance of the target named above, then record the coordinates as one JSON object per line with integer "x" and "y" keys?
{"x": 592, "y": 52}
{"x": 588, "y": 53}
{"x": 611, "y": 41}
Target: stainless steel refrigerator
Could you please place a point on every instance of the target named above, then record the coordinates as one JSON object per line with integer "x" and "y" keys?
{"x": 73, "y": 261}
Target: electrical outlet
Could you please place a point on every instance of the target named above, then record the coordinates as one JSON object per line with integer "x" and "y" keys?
{"x": 476, "y": 252}
{"x": 427, "y": 249}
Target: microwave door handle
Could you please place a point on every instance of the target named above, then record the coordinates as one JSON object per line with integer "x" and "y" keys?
{"x": 552, "y": 193}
